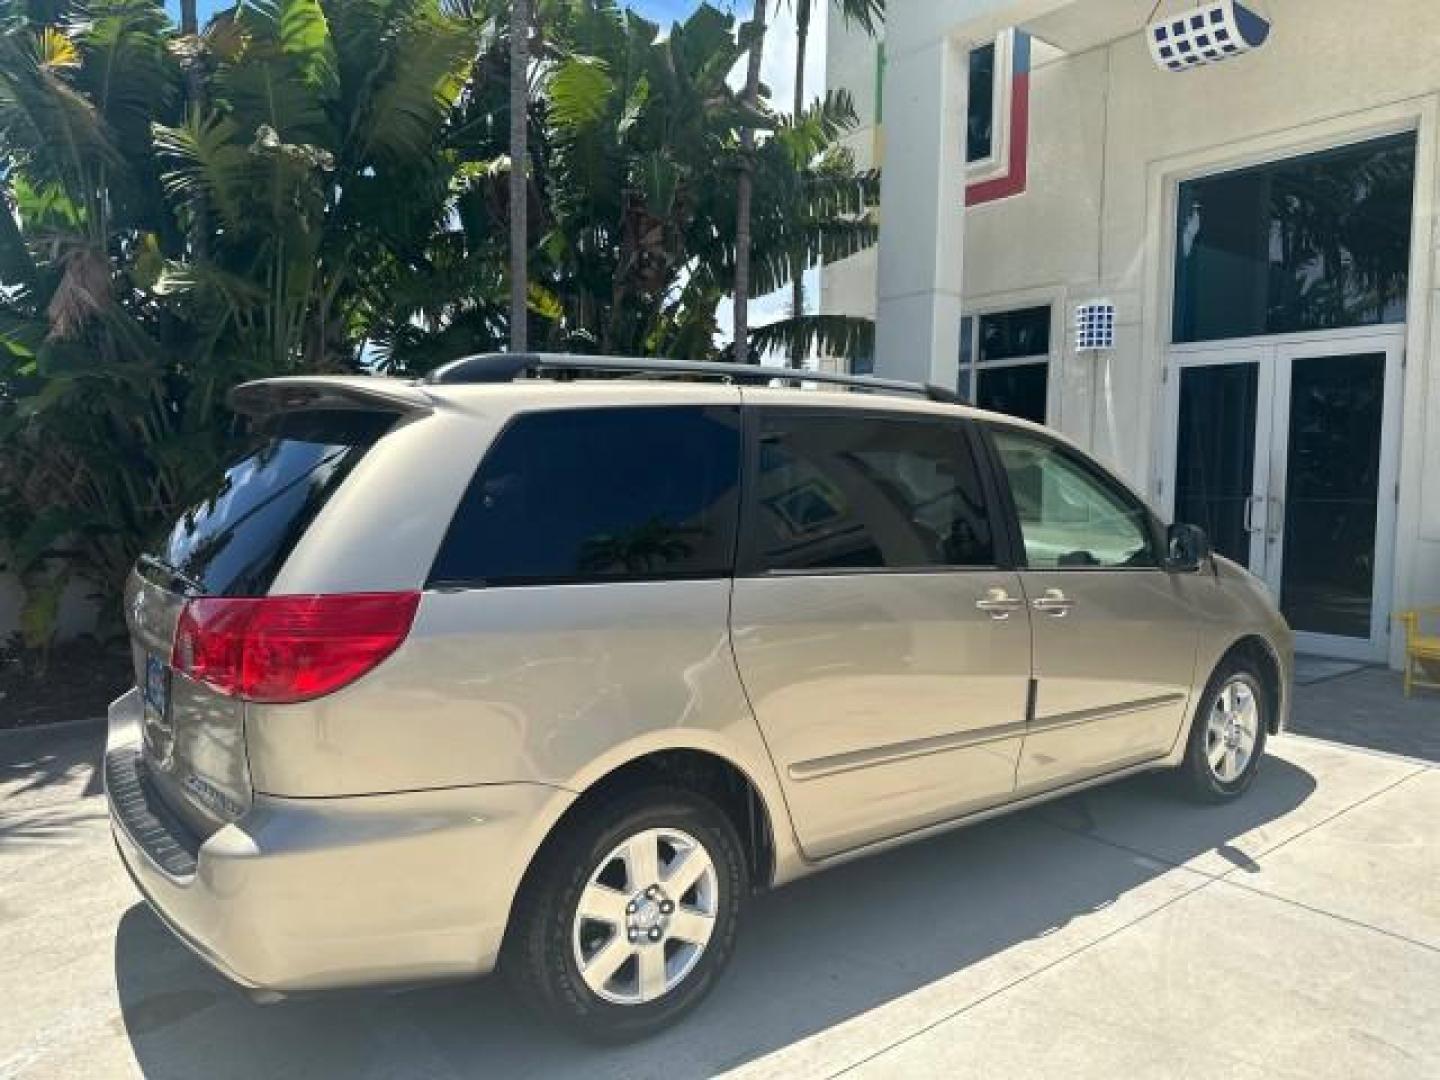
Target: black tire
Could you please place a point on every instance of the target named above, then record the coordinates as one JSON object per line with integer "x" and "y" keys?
{"x": 1198, "y": 777}
{"x": 539, "y": 956}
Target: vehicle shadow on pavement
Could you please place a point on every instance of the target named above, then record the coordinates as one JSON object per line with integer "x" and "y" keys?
{"x": 811, "y": 955}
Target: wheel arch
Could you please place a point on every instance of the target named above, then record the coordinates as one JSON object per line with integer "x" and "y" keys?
{"x": 703, "y": 770}
{"x": 1262, "y": 653}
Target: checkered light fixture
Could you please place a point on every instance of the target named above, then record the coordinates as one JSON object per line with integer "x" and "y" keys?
{"x": 1205, "y": 35}
{"x": 1095, "y": 326}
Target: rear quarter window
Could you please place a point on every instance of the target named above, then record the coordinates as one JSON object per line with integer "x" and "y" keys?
{"x": 234, "y": 541}
{"x": 606, "y": 494}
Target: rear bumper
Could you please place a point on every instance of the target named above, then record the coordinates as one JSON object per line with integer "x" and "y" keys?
{"x": 304, "y": 894}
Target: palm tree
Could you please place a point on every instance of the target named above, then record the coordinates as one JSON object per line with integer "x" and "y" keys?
{"x": 745, "y": 185}
{"x": 519, "y": 174}
{"x": 317, "y": 151}
{"x": 868, "y": 15}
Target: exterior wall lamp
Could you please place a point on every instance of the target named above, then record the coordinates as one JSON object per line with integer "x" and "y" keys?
{"x": 1206, "y": 34}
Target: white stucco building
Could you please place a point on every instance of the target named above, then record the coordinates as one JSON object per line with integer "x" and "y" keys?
{"x": 1264, "y": 226}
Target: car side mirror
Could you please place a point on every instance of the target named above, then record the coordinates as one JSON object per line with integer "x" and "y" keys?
{"x": 1187, "y": 548}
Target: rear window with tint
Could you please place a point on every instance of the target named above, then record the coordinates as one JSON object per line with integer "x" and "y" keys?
{"x": 608, "y": 494}
{"x": 234, "y": 541}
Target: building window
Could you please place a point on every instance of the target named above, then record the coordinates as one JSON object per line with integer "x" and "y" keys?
{"x": 980, "y": 142}
{"x": 1005, "y": 361}
{"x": 1318, "y": 242}
{"x": 997, "y": 129}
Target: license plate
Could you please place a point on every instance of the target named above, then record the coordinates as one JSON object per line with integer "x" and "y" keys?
{"x": 157, "y": 688}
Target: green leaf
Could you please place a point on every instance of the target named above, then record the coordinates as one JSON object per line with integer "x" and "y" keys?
{"x": 33, "y": 545}
{"x": 830, "y": 335}
{"x": 580, "y": 92}
{"x": 305, "y": 37}
{"x": 544, "y": 303}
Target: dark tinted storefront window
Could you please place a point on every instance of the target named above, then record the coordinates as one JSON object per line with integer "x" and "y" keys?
{"x": 1015, "y": 391}
{"x": 1008, "y": 335}
{"x": 1313, "y": 243}
{"x": 840, "y": 492}
{"x": 1332, "y": 493}
{"x": 1012, "y": 374}
{"x": 600, "y": 495}
{"x": 1215, "y": 472}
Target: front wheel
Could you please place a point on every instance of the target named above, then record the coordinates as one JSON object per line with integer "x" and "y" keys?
{"x": 1227, "y": 738}
{"x": 630, "y": 915}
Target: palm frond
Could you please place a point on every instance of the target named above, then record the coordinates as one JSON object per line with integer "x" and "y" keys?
{"x": 829, "y": 335}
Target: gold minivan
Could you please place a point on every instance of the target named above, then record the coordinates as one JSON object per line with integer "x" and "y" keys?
{"x": 550, "y": 663}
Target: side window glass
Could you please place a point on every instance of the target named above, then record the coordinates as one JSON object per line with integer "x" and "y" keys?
{"x": 1069, "y": 516}
{"x": 600, "y": 495}
{"x": 839, "y": 492}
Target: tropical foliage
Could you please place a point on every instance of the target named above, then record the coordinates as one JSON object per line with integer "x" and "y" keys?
{"x": 321, "y": 185}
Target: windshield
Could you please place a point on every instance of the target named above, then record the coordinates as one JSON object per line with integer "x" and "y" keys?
{"x": 234, "y": 541}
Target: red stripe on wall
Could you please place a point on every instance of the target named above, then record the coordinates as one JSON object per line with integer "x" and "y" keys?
{"x": 1014, "y": 180}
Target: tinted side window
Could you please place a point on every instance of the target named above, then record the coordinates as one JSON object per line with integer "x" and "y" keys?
{"x": 840, "y": 492}
{"x": 600, "y": 495}
{"x": 1070, "y": 515}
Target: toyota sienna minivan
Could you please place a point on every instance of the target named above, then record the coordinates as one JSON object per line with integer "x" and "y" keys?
{"x": 548, "y": 664}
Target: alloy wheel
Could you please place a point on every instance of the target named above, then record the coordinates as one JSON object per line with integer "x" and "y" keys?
{"x": 1232, "y": 730}
{"x": 645, "y": 916}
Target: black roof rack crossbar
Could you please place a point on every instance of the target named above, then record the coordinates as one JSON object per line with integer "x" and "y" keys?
{"x": 507, "y": 367}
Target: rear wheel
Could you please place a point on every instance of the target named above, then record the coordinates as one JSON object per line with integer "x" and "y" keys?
{"x": 630, "y": 916}
{"x": 1227, "y": 738}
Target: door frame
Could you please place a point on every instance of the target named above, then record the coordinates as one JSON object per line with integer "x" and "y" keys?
{"x": 1221, "y": 355}
{"x": 1276, "y": 356}
{"x": 1387, "y": 495}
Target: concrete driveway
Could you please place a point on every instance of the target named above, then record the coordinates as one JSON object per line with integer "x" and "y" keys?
{"x": 1296, "y": 933}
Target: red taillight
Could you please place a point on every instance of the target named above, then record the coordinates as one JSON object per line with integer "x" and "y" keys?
{"x": 279, "y": 649}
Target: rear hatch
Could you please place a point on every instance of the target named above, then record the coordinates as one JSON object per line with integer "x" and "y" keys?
{"x": 230, "y": 543}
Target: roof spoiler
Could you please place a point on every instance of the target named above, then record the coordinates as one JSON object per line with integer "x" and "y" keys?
{"x": 307, "y": 393}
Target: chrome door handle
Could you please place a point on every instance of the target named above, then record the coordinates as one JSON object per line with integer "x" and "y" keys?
{"x": 999, "y": 604}
{"x": 1250, "y": 503}
{"x": 1054, "y": 603}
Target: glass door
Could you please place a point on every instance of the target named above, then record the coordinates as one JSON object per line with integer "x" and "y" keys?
{"x": 1287, "y": 454}
{"x": 1220, "y": 416}
{"x": 1330, "y": 534}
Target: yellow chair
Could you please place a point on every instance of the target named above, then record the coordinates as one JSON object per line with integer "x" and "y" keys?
{"x": 1422, "y": 651}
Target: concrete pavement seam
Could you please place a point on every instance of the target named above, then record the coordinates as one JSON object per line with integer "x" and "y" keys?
{"x": 1348, "y": 919}
{"x": 982, "y": 999}
{"x": 1208, "y": 880}
{"x": 1333, "y": 817}
{"x": 1142, "y": 853}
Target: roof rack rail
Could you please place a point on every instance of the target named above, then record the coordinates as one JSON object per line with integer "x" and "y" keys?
{"x": 507, "y": 367}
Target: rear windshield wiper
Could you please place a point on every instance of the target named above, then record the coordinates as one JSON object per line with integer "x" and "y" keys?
{"x": 154, "y": 562}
